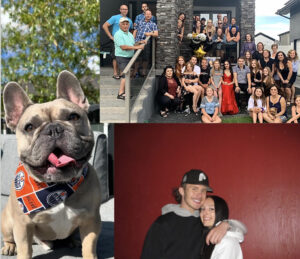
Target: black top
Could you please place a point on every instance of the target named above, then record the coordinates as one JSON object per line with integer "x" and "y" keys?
{"x": 174, "y": 237}
{"x": 284, "y": 72}
{"x": 258, "y": 56}
{"x": 204, "y": 75}
{"x": 257, "y": 76}
{"x": 264, "y": 64}
{"x": 163, "y": 84}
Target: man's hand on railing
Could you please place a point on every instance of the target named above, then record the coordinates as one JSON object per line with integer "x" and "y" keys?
{"x": 142, "y": 46}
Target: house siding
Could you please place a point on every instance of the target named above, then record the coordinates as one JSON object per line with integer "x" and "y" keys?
{"x": 294, "y": 24}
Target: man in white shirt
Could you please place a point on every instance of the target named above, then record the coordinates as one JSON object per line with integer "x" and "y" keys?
{"x": 194, "y": 61}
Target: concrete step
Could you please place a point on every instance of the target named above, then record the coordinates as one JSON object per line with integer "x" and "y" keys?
{"x": 112, "y": 115}
{"x": 108, "y": 100}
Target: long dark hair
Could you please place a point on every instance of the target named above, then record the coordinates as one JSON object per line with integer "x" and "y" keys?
{"x": 222, "y": 213}
{"x": 230, "y": 69}
{"x": 284, "y": 61}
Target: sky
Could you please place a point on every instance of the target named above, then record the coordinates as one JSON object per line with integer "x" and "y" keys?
{"x": 266, "y": 21}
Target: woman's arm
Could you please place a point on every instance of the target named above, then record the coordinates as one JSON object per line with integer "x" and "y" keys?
{"x": 290, "y": 66}
{"x": 283, "y": 107}
{"x": 238, "y": 37}
{"x": 295, "y": 117}
{"x": 163, "y": 85}
{"x": 250, "y": 104}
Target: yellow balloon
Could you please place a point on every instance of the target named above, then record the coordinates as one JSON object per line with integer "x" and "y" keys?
{"x": 200, "y": 52}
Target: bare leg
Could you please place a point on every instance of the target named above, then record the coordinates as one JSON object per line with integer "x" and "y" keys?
{"x": 267, "y": 118}
{"x": 199, "y": 91}
{"x": 122, "y": 86}
{"x": 217, "y": 120}
{"x": 293, "y": 90}
{"x": 260, "y": 117}
{"x": 288, "y": 94}
{"x": 205, "y": 119}
{"x": 220, "y": 99}
{"x": 115, "y": 67}
{"x": 254, "y": 117}
{"x": 145, "y": 65}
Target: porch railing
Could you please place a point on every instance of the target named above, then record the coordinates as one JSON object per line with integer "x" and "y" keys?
{"x": 127, "y": 70}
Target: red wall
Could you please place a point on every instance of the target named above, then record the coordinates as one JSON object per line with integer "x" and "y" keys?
{"x": 254, "y": 168}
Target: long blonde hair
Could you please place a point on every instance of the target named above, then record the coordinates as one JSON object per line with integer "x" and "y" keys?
{"x": 213, "y": 29}
{"x": 270, "y": 80}
{"x": 213, "y": 67}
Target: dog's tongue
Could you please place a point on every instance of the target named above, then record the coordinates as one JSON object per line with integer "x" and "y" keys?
{"x": 60, "y": 161}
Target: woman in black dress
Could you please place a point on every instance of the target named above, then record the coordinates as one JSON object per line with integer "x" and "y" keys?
{"x": 284, "y": 70}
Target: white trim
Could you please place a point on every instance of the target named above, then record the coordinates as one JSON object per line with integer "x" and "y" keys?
{"x": 232, "y": 9}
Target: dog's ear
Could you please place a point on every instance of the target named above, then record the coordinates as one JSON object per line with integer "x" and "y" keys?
{"x": 15, "y": 102}
{"x": 68, "y": 87}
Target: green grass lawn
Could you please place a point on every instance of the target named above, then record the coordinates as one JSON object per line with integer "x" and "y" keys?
{"x": 239, "y": 119}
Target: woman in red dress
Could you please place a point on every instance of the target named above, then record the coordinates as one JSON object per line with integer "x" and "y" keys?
{"x": 229, "y": 105}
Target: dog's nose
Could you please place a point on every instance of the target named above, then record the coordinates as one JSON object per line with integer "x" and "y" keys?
{"x": 54, "y": 130}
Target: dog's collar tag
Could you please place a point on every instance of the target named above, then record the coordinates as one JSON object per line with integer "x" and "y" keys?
{"x": 36, "y": 196}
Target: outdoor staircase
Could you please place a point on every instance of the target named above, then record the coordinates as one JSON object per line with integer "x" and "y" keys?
{"x": 112, "y": 110}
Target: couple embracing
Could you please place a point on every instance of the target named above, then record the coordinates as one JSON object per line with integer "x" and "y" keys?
{"x": 197, "y": 227}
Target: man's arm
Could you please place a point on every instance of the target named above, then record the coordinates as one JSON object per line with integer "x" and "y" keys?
{"x": 127, "y": 47}
{"x": 217, "y": 233}
{"x": 152, "y": 33}
{"x": 105, "y": 28}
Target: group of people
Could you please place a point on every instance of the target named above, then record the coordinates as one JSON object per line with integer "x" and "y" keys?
{"x": 124, "y": 43}
{"x": 266, "y": 83}
{"x": 222, "y": 37}
{"x": 183, "y": 228}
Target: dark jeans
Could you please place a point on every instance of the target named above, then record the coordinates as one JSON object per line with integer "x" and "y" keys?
{"x": 166, "y": 102}
{"x": 238, "y": 98}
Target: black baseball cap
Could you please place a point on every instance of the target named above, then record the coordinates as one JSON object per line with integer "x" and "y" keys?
{"x": 195, "y": 176}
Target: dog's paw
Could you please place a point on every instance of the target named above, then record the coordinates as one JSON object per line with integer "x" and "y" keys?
{"x": 9, "y": 249}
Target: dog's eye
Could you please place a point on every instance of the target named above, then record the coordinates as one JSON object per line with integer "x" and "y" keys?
{"x": 28, "y": 127}
{"x": 74, "y": 117}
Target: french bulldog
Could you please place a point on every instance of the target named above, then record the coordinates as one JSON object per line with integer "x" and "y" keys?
{"x": 54, "y": 142}
{"x": 273, "y": 111}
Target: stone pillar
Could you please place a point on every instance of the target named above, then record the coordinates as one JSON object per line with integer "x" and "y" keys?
{"x": 186, "y": 6}
{"x": 247, "y": 18}
{"x": 167, "y": 42}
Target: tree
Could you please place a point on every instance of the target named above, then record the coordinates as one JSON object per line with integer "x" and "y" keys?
{"x": 45, "y": 37}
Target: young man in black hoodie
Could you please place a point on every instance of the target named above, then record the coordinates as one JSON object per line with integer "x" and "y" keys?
{"x": 178, "y": 232}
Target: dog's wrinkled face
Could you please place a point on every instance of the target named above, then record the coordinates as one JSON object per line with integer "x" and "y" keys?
{"x": 55, "y": 140}
{"x": 59, "y": 127}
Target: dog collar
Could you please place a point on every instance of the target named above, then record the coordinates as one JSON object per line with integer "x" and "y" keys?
{"x": 36, "y": 196}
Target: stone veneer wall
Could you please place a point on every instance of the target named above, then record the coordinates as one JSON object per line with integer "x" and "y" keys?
{"x": 247, "y": 18}
{"x": 167, "y": 42}
{"x": 186, "y": 6}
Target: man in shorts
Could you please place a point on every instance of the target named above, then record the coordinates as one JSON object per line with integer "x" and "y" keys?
{"x": 124, "y": 50}
{"x": 178, "y": 232}
{"x": 143, "y": 29}
{"x": 114, "y": 22}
